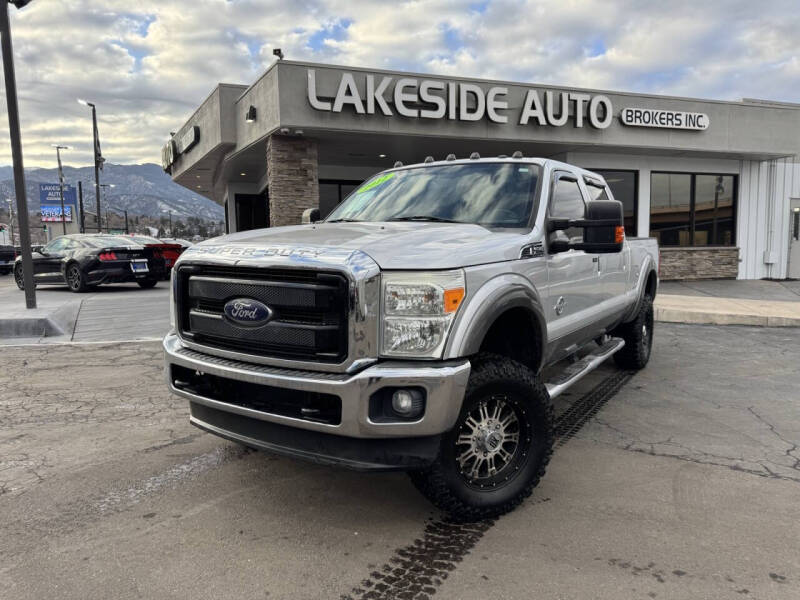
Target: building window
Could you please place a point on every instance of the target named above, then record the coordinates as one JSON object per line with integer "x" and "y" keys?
{"x": 689, "y": 209}
{"x": 332, "y": 192}
{"x": 714, "y": 210}
{"x": 625, "y": 188}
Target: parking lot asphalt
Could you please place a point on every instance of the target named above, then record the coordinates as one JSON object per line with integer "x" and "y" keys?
{"x": 116, "y": 312}
{"x": 684, "y": 483}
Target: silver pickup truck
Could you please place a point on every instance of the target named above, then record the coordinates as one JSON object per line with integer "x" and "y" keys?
{"x": 411, "y": 329}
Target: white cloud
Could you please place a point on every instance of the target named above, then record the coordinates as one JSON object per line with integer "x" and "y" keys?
{"x": 148, "y": 64}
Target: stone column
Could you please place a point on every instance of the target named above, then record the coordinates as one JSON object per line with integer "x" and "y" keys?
{"x": 292, "y": 178}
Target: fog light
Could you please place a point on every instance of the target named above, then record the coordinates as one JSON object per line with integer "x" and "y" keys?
{"x": 407, "y": 403}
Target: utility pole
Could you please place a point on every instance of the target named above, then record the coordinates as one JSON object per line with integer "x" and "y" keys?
{"x": 61, "y": 186}
{"x": 126, "y": 222}
{"x": 98, "y": 159}
{"x": 16, "y": 150}
{"x": 11, "y": 218}
{"x": 80, "y": 207}
{"x": 104, "y": 187}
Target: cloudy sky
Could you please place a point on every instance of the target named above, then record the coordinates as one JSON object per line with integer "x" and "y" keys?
{"x": 149, "y": 63}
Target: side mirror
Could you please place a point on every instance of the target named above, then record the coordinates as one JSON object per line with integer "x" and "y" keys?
{"x": 310, "y": 215}
{"x": 558, "y": 242}
{"x": 604, "y": 229}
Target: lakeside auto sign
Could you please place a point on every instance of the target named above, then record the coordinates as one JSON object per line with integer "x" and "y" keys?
{"x": 50, "y": 202}
{"x": 463, "y": 101}
{"x": 432, "y": 99}
{"x": 177, "y": 145}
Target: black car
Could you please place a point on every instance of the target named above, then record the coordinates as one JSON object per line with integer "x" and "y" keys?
{"x": 85, "y": 260}
{"x": 7, "y": 256}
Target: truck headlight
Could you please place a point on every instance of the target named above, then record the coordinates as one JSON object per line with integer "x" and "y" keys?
{"x": 418, "y": 309}
{"x": 173, "y": 281}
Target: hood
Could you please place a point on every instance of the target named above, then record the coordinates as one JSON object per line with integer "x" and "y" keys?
{"x": 401, "y": 245}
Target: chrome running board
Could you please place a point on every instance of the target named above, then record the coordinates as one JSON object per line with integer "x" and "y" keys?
{"x": 575, "y": 372}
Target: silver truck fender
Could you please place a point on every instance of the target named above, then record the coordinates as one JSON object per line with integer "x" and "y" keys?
{"x": 491, "y": 300}
{"x": 645, "y": 269}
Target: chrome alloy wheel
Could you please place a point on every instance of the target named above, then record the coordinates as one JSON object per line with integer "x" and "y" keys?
{"x": 18, "y": 277}
{"x": 492, "y": 443}
{"x": 74, "y": 277}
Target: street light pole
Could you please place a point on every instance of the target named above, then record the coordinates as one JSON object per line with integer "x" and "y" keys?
{"x": 98, "y": 159}
{"x": 61, "y": 185}
{"x": 105, "y": 187}
{"x": 16, "y": 151}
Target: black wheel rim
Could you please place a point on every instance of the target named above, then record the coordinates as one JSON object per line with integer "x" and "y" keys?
{"x": 493, "y": 442}
{"x": 18, "y": 277}
{"x": 74, "y": 277}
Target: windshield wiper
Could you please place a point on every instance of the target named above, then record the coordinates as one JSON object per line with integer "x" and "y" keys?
{"x": 424, "y": 218}
{"x": 344, "y": 221}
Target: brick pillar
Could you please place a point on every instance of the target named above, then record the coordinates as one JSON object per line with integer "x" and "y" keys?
{"x": 292, "y": 178}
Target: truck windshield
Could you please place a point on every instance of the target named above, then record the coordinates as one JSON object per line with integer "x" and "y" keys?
{"x": 488, "y": 194}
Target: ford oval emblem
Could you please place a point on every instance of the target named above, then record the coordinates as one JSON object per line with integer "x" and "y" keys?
{"x": 247, "y": 312}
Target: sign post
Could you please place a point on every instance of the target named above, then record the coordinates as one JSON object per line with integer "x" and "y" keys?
{"x": 81, "y": 214}
{"x": 61, "y": 187}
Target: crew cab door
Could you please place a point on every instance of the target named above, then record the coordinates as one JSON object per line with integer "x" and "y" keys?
{"x": 574, "y": 286}
{"x": 614, "y": 266}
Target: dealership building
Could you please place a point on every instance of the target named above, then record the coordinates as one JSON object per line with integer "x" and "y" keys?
{"x": 716, "y": 182}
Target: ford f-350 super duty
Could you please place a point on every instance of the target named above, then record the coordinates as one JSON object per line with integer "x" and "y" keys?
{"x": 411, "y": 329}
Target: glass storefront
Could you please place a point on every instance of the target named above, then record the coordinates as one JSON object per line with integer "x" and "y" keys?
{"x": 625, "y": 187}
{"x": 689, "y": 209}
{"x": 332, "y": 192}
{"x": 714, "y": 210}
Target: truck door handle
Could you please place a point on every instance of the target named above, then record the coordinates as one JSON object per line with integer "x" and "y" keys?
{"x": 596, "y": 259}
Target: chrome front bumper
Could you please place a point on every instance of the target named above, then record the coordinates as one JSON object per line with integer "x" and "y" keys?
{"x": 445, "y": 384}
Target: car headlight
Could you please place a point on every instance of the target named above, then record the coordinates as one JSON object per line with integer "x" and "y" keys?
{"x": 418, "y": 309}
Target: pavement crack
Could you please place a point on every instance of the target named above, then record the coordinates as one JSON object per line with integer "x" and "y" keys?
{"x": 792, "y": 445}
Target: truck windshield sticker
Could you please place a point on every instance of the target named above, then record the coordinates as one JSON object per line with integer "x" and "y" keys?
{"x": 375, "y": 183}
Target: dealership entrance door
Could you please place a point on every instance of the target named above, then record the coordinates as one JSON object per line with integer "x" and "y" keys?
{"x": 794, "y": 239}
{"x": 252, "y": 211}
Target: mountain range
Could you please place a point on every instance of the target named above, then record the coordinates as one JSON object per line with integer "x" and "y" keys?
{"x": 140, "y": 189}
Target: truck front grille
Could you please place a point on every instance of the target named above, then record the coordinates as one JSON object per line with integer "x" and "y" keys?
{"x": 309, "y": 311}
{"x": 296, "y": 404}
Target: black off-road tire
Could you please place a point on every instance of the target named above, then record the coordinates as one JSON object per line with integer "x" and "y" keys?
{"x": 148, "y": 283}
{"x": 76, "y": 281}
{"x": 444, "y": 484}
{"x": 638, "y": 336}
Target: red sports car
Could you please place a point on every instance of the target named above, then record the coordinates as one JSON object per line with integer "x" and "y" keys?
{"x": 169, "y": 251}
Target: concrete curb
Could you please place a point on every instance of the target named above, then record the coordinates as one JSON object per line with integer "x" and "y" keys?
{"x": 44, "y": 322}
{"x": 700, "y": 317}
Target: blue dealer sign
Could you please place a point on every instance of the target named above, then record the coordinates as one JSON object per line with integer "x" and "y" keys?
{"x": 50, "y": 202}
